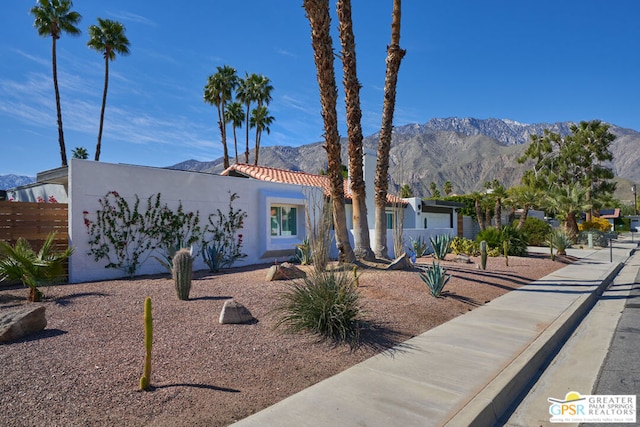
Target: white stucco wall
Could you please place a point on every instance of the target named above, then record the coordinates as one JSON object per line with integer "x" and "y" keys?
{"x": 31, "y": 193}
{"x": 90, "y": 181}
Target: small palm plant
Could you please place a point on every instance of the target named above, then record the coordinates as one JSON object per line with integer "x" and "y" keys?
{"x": 21, "y": 263}
{"x": 435, "y": 278}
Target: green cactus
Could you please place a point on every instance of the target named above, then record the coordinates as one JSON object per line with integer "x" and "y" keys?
{"x": 483, "y": 254}
{"x": 182, "y": 271}
{"x": 356, "y": 280}
{"x": 505, "y": 249}
{"x": 145, "y": 380}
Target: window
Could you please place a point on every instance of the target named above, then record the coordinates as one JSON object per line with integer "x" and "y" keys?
{"x": 389, "y": 216}
{"x": 283, "y": 220}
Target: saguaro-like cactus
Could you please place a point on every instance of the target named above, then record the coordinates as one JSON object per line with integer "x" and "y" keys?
{"x": 505, "y": 249}
{"x": 145, "y": 380}
{"x": 182, "y": 272}
{"x": 483, "y": 254}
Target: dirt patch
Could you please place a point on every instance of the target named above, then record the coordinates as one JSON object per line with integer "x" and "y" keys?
{"x": 84, "y": 368}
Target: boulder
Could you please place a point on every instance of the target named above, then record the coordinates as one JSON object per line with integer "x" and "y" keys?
{"x": 403, "y": 262}
{"x": 462, "y": 259}
{"x": 16, "y": 324}
{"x": 284, "y": 271}
{"x": 233, "y": 312}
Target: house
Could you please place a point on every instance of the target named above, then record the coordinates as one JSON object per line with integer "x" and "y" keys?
{"x": 277, "y": 203}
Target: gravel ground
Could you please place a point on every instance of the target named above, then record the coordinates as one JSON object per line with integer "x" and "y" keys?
{"x": 84, "y": 368}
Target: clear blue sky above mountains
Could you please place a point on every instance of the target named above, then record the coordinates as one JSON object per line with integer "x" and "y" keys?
{"x": 530, "y": 61}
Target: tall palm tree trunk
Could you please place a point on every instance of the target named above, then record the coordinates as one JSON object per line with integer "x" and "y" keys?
{"x": 223, "y": 135}
{"x": 63, "y": 149}
{"x": 257, "y": 153}
{"x": 361, "y": 240}
{"x": 394, "y": 58}
{"x": 104, "y": 103}
{"x": 498, "y": 213}
{"x": 246, "y": 128}
{"x": 479, "y": 216}
{"x": 318, "y": 14}
{"x": 523, "y": 217}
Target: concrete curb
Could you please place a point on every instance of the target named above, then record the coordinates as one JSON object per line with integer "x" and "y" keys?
{"x": 492, "y": 402}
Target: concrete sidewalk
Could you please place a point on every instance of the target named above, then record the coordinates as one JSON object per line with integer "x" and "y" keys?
{"x": 464, "y": 372}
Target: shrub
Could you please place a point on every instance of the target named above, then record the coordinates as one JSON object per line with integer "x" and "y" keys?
{"x": 597, "y": 238}
{"x": 440, "y": 245}
{"x": 224, "y": 248}
{"x": 516, "y": 240}
{"x": 325, "y": 303}
{"x": 179, "y": 230}
{"x": 435, "y": 278}
{"x": 490, "y": 235}
{"x": 460, "y": 245}
{"x": 21, "y": 263}
{"x": 599, "y": 224}
{"x": 536, "y": 230}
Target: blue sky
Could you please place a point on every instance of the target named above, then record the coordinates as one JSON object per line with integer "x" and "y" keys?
{"x": 530, "y": 61}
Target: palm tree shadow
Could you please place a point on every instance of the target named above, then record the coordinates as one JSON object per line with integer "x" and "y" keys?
{"x": 202, "y": 386}
{"x": 210, "y": 298}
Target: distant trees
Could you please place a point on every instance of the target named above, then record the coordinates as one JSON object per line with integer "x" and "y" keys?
{"x": 80, "y": 153}
{"x": 107, "y": 38}
{"x": 220, "y": 91}
{"x": 52, "y": 18}
{"x": 568, "y": 166}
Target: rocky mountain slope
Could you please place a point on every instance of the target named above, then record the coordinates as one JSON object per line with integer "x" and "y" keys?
{"x": 465, "y": 151}
{"x": 11, "y": 181}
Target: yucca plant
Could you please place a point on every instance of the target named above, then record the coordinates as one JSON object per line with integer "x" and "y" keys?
{"x": 560, "y": 240}
{"x": 435, "y": 278}
{"x": 440, "y": 245}
{"x": 326, "y": 303}
{"x": 21, "y": 263}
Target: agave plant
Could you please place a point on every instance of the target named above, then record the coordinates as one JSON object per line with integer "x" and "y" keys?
{"x": 440, "y": 245}
{"x": 435, "y": 278}
{"x": 21, "y": 263}
{"x": 419, "y": 246}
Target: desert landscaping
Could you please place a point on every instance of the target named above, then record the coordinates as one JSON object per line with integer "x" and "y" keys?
{"x": 84, "y": 368}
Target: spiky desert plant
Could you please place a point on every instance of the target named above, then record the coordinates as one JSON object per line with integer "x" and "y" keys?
{"x": 21, "y": 263}
{"x": 435, "y": 278}
{"x": 326, "y": 303}
{"x": 145, "y": 380}
{"x": 440, "y": 245}
{"x": 182, "y": 272}
{"x": 483, "y": 254}
{"x": 560, "y": 240}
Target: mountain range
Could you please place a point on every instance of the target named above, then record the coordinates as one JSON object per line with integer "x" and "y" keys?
{"x": 465, "y": 151}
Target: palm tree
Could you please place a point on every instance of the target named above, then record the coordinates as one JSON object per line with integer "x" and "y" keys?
{"x": 478, "y": 203}
{"x": 447, "y": 187}
{"x": 525, "y": 197}
{"x": 261, "y": 120}
{"x": 247, "y": 93}
{"x": 394, "y": 57}
{"x": 107, "y": 38}
{"x": 568, "y": 201}
{"x": 263, "y": 97}
{"x": 317, "y": 12}
{"x": 361, "y": 239}
{"x": 80, "y": 153}
{"x": 52, "y": 18}
{"x": 218, "y": 91}
{"x": 235, "y": 116}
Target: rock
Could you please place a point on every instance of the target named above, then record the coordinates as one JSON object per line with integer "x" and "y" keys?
{"x": 233, "y": 312}
{"x": 20, "y": 323}
{"x": 285, "y": 271}
{"x": 403, "y": 262}
{"x": 462, "y": 259}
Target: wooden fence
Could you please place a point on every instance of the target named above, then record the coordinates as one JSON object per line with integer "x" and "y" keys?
{"x": 34, "y": 222}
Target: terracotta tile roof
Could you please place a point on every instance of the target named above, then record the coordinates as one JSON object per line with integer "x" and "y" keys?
{"x": 285, "y": 176}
